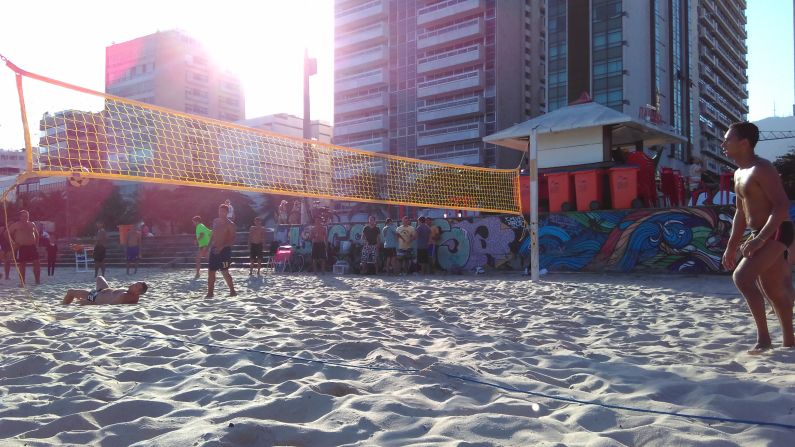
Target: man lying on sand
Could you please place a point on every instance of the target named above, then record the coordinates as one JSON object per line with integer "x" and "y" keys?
{"x": 104, "y": 294}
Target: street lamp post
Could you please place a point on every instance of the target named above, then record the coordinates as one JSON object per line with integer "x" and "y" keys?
{"x": 310, "y": 68}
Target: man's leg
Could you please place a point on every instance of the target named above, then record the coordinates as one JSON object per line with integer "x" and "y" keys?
{"x": 229, "y": 283}
{"x": 136, "y": 265}
{"x": 745, "y": 278}
{"x": 37, "y": 270}
{"x": 210, "y": 283}
{"x": 21, "y": 265}
{"x": 73, "y": 294}
{"x": 776, "y": 283}
{"x": 250, "y": 266}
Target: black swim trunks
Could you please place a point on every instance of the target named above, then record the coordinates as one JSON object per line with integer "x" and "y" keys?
{"x": 255, "y": 251}
{"x": 785, "y": 234}
{"x": 27, "y": 253}
{"x": 318, "y": 250}
{"x": 221, "y": 260}
{"x": 99, "y": 253}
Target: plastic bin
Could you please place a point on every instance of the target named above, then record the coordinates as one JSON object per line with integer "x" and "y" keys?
{"x": 589, "y": 187}
{"x": 524, "y": 193}
{"x": 561, "y": 191}
{"x": 624, "y": 187}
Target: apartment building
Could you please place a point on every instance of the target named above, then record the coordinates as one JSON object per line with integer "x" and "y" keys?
{"x": 678, "y": 63}
{"x": 173, "y": 70}
{"x": 429, "y": 79}
{"x": 722, "y": 80}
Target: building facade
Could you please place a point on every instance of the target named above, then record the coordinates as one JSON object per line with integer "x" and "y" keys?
{"x": 679, "y": 63}
{"x": 429, "y": 79}
{"x": 12, "y": 162}
{"x": 291, "y": 125}
{"x": 171, "y": 69}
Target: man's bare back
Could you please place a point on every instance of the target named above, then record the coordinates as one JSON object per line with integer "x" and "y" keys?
{"x": 104, "y": 294}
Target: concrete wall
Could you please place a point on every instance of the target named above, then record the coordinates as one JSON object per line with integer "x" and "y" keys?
{"x": 687, "y": 240}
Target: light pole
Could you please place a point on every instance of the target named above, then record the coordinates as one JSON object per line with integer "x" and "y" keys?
{"x": 310, "y": 68}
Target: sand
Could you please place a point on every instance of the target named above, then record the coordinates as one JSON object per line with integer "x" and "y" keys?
{"x": 181, "y": 370}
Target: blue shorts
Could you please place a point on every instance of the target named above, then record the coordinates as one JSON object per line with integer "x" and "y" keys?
{"x": 133, "y": 252}
{"x": 220, "y": 261}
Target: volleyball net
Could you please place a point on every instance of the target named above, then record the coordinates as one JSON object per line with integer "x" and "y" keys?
{"x": 70, "y": 129}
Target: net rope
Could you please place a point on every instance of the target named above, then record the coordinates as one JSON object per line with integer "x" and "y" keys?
{"x": 124, "y": 139}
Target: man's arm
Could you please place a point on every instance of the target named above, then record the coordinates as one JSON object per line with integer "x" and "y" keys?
{"x": 738, "y": 229}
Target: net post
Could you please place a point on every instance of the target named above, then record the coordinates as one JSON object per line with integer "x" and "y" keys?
{"x": 25, "y": 127}
{"x": 532, "y": 160}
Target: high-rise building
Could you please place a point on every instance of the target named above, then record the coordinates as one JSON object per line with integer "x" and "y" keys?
{"x": 429, "y": 79}
{"x": 659, "y": 60}
{"x": 722, "y": 77}
{"x": 173, "y": 70}
{"x": 291, "y": 125}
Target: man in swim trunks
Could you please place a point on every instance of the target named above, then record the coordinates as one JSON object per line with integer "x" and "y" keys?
{"x": 202, "y": 241}
{"x": 221, "y": 251}
{"x": 103, "y": 294}
{"x": 256, "y": 239}
{"x": 762, "y": 206}
{"x": 133, "y": 247}
{"x": 319, "y": 237}
{"x": 99, "y": 249}
{"x": 25, "y": 238}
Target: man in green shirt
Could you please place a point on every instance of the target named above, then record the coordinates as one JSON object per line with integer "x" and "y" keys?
{"x": 203, "y": 235}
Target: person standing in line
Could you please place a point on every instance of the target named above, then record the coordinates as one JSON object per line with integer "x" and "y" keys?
{"x": 203, "y": 235}
{"x": 423, "y": 232}
{"x": 647, "y": 168}
{"x": 256, "y": 239}
{"x": 6, "y": 252}
{"x": 762, "y": 205}
{"x": 433, "y": 246}
{"x": 694, "y": 170}
{"x": 389, "y": 236}
{"x": 371, "y": 238}
{"x": 319, "y": 237}
{"x": 133, "y": 247}
{"x": 52, "y": 254}
{"x": 100, "y": 251}
{"x": 406, "y": 236}
{"x": 25, "y": 239}
{"x": 221, "y": 242}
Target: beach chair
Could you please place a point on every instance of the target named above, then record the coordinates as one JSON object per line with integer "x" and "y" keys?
{"x": 282, "y": 258}
{"x": 82, "y": 256}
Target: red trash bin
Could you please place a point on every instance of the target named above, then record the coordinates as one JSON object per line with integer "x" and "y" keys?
{"x": 589, "y": 186}
{"x": 561, "y": 191}
{"x": 624, "y": 187}
{"x": 524, "y": 193}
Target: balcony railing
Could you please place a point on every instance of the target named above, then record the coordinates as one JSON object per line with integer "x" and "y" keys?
{"x": 450, "y": 109}
{"x": 449, "y": 134}
{"x": 464, "y": 81}
{"x": 368, "y": 124}
{"x": 364, "y": 36}
{"x": 449, "y": 34}
{"x": 449, "y": 10}
{"x": 359, "y": 80}
{"x": 358, "y": 14}
{"x": 449, "y": 59}
{"x": 371, "y": 56}
{"x": 377, "y": 101}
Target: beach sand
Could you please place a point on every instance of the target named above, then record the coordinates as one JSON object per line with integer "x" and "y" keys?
{"x": 398, "y": 362}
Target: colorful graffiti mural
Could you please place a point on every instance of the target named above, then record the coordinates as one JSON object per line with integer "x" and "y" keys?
{"x": 689, "y": 240}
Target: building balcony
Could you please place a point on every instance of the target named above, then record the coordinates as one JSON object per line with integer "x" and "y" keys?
{"x": 372, "y": 145}
{"x": 450, "y": 34}
{"x": 452, "y": 109}
{"x": 362, "y": 37}
{"x": 377, "y": 101}
{"x": 448, "y": 11}
{"x": 368, "y": 124}
{"x": 451, "y": 59}
{"x": 359, "y": 80}
{"x": 362, "y": 59}
{"x": 359, "y": 14}
{"x": 472, "y": 80}
{"x": 450, "y": 134}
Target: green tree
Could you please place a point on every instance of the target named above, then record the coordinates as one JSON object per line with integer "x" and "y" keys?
{"x": 786, "y": 168}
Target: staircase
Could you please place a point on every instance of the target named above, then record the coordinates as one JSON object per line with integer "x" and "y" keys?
{"x": 158, "y": 251}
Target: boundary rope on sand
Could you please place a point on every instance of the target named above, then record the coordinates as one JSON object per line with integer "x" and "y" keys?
{"x": 449, "y": 375}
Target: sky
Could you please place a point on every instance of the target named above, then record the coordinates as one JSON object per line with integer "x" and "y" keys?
{"x": 264, "y": 41}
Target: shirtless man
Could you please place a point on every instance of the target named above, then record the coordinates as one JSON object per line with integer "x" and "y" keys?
{"x": 103, "y": 294}
{"x": 221, "y": 251}
{"x": 5, "y": 250}
{"x": 133, "y": 247}
{"x": 319, "y": 237}
{"x": 25, "y": 237}
{"x": 256, "y": 239}
{"x": 99, "y": 249}
{"x": 762, "y": 206}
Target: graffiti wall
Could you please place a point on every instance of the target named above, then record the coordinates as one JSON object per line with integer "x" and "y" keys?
{"x": 689, "y": 240}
